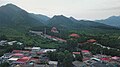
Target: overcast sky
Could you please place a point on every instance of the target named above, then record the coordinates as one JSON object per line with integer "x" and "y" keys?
{"x": 80, "y": 9}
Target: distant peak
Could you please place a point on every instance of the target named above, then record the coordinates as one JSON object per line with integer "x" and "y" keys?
{"x": 114, "y": 17}
{"x": 73, "y": 19}
{"x": 59, "y": 16}
{"x": 9, "y": 5}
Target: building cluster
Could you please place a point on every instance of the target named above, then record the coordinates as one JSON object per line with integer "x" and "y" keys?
{"x": 37, "y": 57}
{"x": 39, "y": 33}
{"x": 5, "y": 42}
{"x": 98, "y": 60}
{"x": 29, "y": 57}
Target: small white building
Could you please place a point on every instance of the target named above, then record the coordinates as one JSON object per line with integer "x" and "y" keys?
{"x": 53, "y": 62}
{"x": 47, "y": 50}
{"x": 28, "y": 48}
{"x": 19, "y": 43}
{"x": 12, "y": 42}
{"x": 12, "y": 60}
{"x": 3, "y": 42}
{"x": 36, "y": 49}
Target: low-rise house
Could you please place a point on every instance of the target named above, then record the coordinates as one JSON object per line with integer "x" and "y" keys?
{"x": 95, "y": 59}
{"x": 44, "y": 60}
{"x": 12, "y": 42}
{"x": 86, "y": 53}
{"x": 115, "y": 58}
{"x": 16, "y": 51}
{"x": 91, "y": 41}
{"x": 17, "y": 55}
{"x": 36, "y": 49}
{"x": 54, "y": 30}
{"x": 98, "y": 64}
{"x": 53, "y": 63}
{"x": 19, "y": 43}
{"x": 3, "y": 42}
{"x": 106, "y": 59}
{"x": 28, "y": 48}
{"x": 74, "y": 35}
{"x": 11, "y": 60}
{"x": 61, "y": 40}
{"x": 79, "y": 64}
{"x": 25, "y": 52}
{"x": 76, "y": 52}
{"x": 7, "y": 55}
{"x": 47, "y": 50}
{"x": 34, "y": 60}
{"x": 36, "y": 32}
{"x": 23, "y": 62}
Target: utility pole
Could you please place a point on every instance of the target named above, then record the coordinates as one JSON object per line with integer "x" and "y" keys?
{"x": 45, "y": 31}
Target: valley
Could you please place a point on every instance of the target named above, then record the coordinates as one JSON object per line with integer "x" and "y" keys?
{"x": 71, "y": 38}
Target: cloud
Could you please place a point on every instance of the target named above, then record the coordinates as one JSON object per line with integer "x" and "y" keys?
{"x": 3, "y": 2}
{"x": 107, "y": 9}
{"x": 112, "y": 8}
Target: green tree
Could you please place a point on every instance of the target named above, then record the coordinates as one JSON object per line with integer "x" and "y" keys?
{"x": 71, "y": 45}
{"x": 4, "y": 64}
{"x": 65, "y": 59}
{"x": 3, "y": 37}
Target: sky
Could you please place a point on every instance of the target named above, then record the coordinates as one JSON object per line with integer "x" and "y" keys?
{"x": 80, "y": 9}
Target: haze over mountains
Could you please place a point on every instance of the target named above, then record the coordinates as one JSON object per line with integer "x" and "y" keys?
{"x": 113, "y": 21}
{"x": 68, "y": 23}
{"x": 17, "y": 19}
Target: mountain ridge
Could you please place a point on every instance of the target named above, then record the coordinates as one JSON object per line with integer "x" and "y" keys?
{"x": 13, "y": 18}
{"x": 63, "y": 22}
{"x": 112, "y": 21}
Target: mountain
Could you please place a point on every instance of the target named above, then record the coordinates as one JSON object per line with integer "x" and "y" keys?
{"x": 73, "y": 19}
{"x": 63, "y": 22}
{"x": 17, "y": 19}
{"x": 40, "y": 17}
{"x": 113, "y": 21}
{"x": 13, "y": 15}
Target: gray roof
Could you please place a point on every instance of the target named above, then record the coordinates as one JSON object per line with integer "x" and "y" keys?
{"x": 98, "y": 64}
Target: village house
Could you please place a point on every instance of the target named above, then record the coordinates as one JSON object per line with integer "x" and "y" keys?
{"x": 3, "y": 42}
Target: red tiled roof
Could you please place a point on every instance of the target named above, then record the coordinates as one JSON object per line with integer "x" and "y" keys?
{"x": 76, "y": 52}
{"x": 91, "y": 40}
{"x": 54, "y": 29}
{"x": 33, "y": 59}
{"x": 18, "y": 54}
{"x": 61, "y": 39}
{"x": 85, "y": 51}
{"x": 24, "y": 59}
{"x": 105, "y": 59}
{"x": 40, "y": 52}
{"x": 115, "y": 58}
{"x": 74, "y": 35}
{"x": 16, "y": 51}
{"x": 84, "y": 59}
{"x": 25, "y": 51}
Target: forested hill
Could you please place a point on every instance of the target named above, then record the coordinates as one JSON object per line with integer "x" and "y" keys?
{"x": 63, "y": 22}
{"x": 11, "y": 15}
{"x": 14, "y": 20}
{"x": 113, "y": 21}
